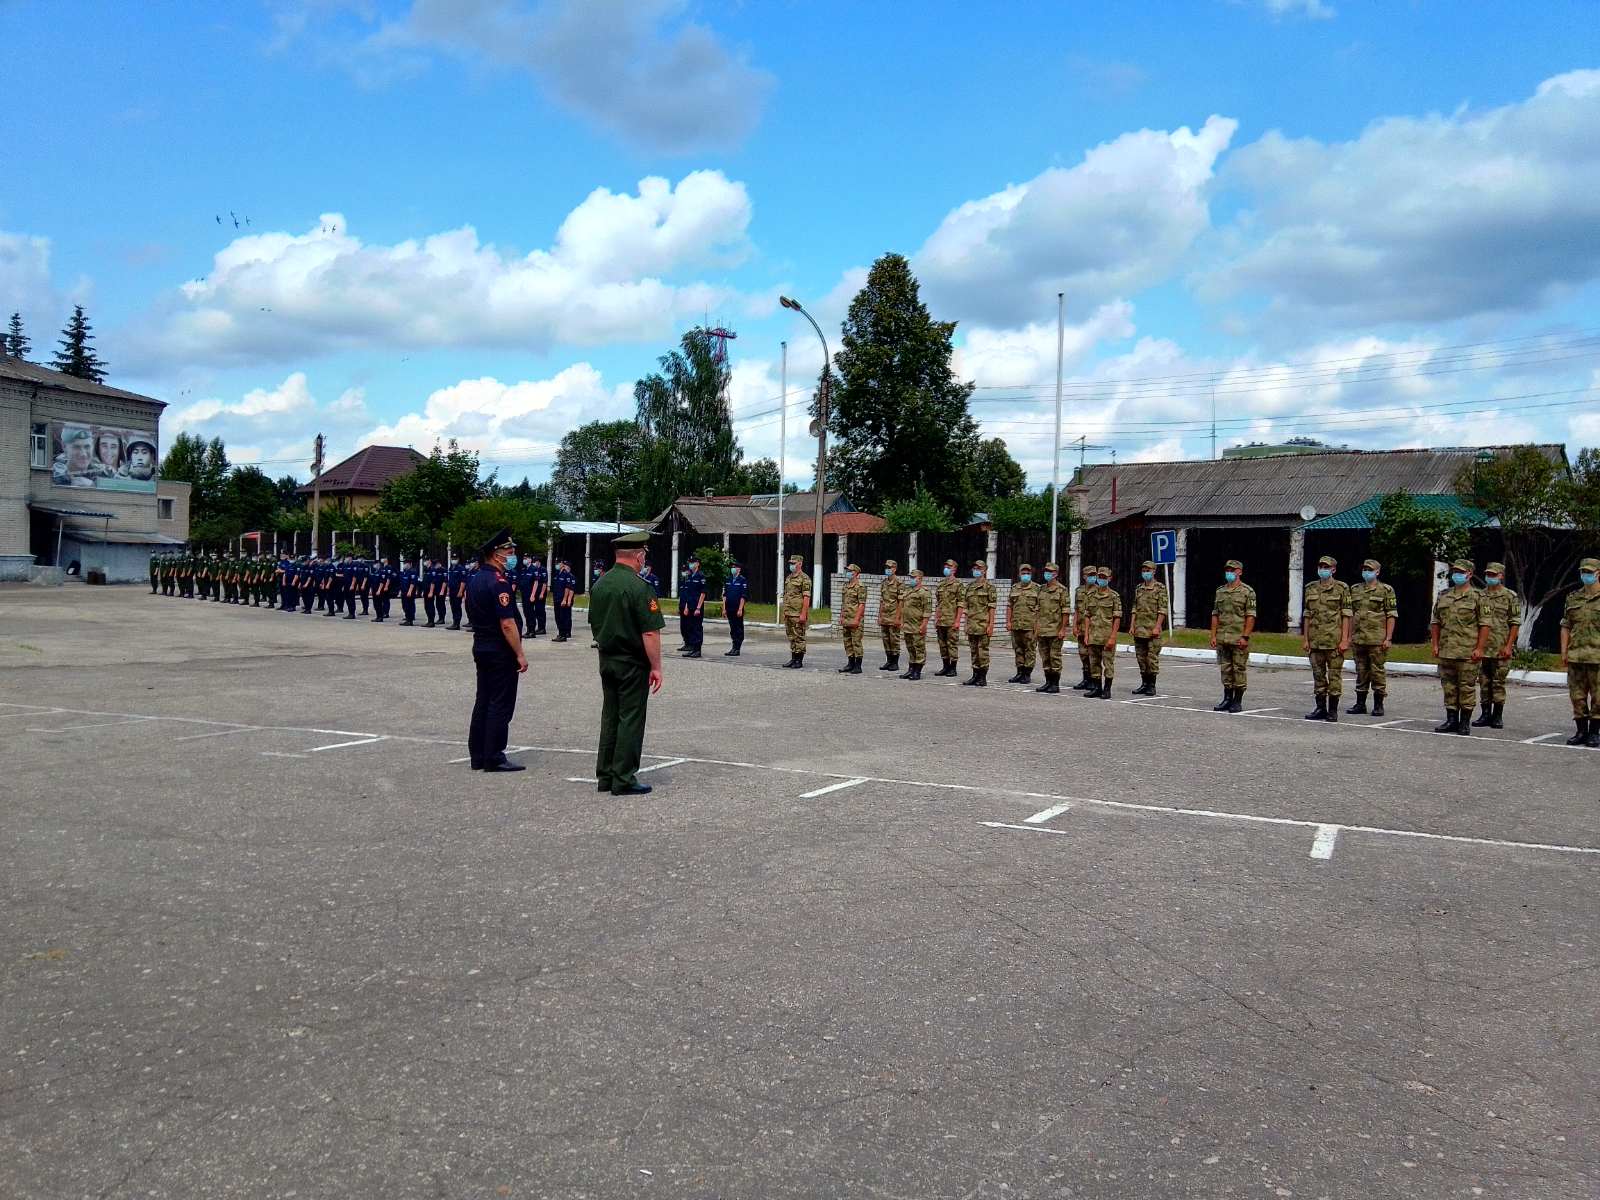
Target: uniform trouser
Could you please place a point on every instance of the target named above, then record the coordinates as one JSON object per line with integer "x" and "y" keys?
{"x": 364, "y": 594}
{"x": 796, "y": 629}
{"x": 538, "y": 625}
{"x": 530, "y": 626}
{"x": 1459, "y": 678}
{"x": 455, "y": 609}
{"x": 949, "y": 644}
{"x": 1083, "y": 653}
{"x": 428, "y": 604}
{"x": 306, "y": 597}
{"x": 155, "y": 584}
{"x": 1494, "y": 671}
{"x": 564, "y": 620}
{"x": 1372, "y": 670}
{"x": 693, "y": 629}
{"x": 408, "y": 606}
{"x": 1050, "y": 654}
{"x": 1023, "y": 644}
{"x": 1327, "y": 672}
{"x": 380, "y": 606}
{"x": 855, "y": 642}
{"x": 890, "y": 634}
{"x": 322, "y": 598}
{"x": 916, "y": 645}
{"x": 736, "y": 631}
{"x": 625, "y": 697}
{"x": 287, "y": 598}
{"x": 1148, "y": 652}
{"x": 979, "y": 643}
{"x": 336, "y": 601}
{"x": 350, "y": 603}
{"x": 492, "y": 707}
{"x": 1234, "y": 662}
{"x": 1583, "y": 685}
{"x": 1102, "y": 662}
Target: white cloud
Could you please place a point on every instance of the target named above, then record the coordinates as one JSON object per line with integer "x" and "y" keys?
{"x": 1313, "y": 10}
{"x": 281, "y": 296}
{"x": 275, "y": 424}
{"x": 1118, "y": 221}
{"x": 27, "y": 287}
{"x": 1421, "y": 218}
{"x": 1019, "y": 357}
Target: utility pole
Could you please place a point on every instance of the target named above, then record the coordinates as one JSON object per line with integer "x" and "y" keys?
{"x": 619, "y": 514}
{"x": 1055, "y": 469}
{"x": 821, "y": 424}
{"x": 783, "y": 454}
{"x": 1213, "y": 418}
{"x": 316, "y": 493}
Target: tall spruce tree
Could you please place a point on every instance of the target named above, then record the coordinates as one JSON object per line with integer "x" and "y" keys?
{"x": 15, "y": 341}
{"x": 75, "y": 356}
{"x": 899, "y": 419}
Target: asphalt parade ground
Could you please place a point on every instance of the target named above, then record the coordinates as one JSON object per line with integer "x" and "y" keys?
{"x": 267, "y": 936}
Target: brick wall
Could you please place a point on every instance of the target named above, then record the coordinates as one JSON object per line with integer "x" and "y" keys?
{"x": 15, "y": 400}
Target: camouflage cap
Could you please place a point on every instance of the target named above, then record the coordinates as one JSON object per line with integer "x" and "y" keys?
{"x": 1372, "y": 564}
{"x": 1494, "y": 569}
{"x": 1147, "y": 565}
{"x": 1327, "y": 560}
{"x": 950, "y": 562}
{"x": 978, "y": 562}
{"x": 890, "y": 562}
{"x": 797, "y": 558}
{"x": 854, "y": 569}
{"x": 916, "y": 572}
{"x": 1051, "y": 567}
{"x": 1025, "y": 567}
{"x": 1233, "y": 564}
{"x": 1589, "y": 564}
{"x": 1102, "y": 570}
{"x": 1088, "y": 568}
{"x": 1462, "y": 564}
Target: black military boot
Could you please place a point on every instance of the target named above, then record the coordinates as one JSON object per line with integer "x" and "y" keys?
{"x": 788, "y": 666}
{"x": 1017, "y": 677}
{"x": 1105, "y": 689}
{"x": 1333, "y": 710}
{"x": 1320, "y": 712}
{"x": 1359, "y": 708}
{"x": 1582, "y": 736}
{"x": 1451, "y": 720}
{"x": 1237, "y": 703}
{"x": 1464, "y": 724}
{"x": 1227, "y": 699}
{"x": 973, "y": 681}
{"x": 1497, "y": 717}
{"x": 1084, "y": 684}
{"x": 855, "y": 665}
{"x": 889, "y": 662}
{"x": 1593, "y": 740}
{"x": 1487, "y": 716}
{"x": 951, "y": 669}
{"x": 1052, "y": 683}
{"x": 983, "y": 677}
{"x": 1377, "y": 704}
{"x": 799, "y": 660}
{"x": 845, "y": 670}
{"x": 915, "y": 672}
{"x": 1027, "y": 676}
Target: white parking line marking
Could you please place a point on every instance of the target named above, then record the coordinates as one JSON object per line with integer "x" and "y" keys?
{"x": 190, "y": 737}
{"x": 93, "y": 725}
{"x": 37, "y": 712}
{"x": 1039, "y": 818}
{"x": 282, "y": 754}
{"x": 1322, "y": 844}
{"x": 1024, "y": 828}
{"x": 1386, "y": 724}
{"x": 1543, "y": 737}
{"x": 1250, "y": 712}
{"x": 671, "y": 762}
{"x": 509, "y": 750}
{"x": 832, "y": 787}
{"x": 366, "y": 741}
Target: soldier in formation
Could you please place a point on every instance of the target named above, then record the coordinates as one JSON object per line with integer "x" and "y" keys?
{"x": 1325, "y": 636}
{"x": 734, "y": 594}
{"x": 1580, "y": 653}
{"x": 852, "y": 612}
{"x": 1233, "y": 620}
{"x": 1022, "y": 617}
{"x": 979, "y": 606}
{"x": 916, "y": 606}
{"x": 795, "y": 608}
{"x": 889, "y": 615}
{"x": 1460, "y": 630}
{"x": 1150, "y": 602}
{"x": 1052, "y": 615}
{"x": 1503, "y": 609}
{"x": 1102, "y": 617}
{"x": 1374, "y": 610}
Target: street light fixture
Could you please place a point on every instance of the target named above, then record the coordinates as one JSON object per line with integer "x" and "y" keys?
{"x": 822, "y": 446}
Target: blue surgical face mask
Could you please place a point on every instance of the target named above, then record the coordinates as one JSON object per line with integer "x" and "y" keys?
{"x": 1491, "y": 580}
{"x": 1101, "y": 581}
{"x": 1368, "y": 576}
{"x": 793, "y": 567}
{"x": 1049, "y": 575}
{"x": 977, "y": 573}
{"x": 1324, "y": 573}
{"x": 1230, "y": 576}
{"x": 1026, "y": 577}
{"x": 511, "y": 562}
{"x": 736, "y": 570}
{"x": 1147, "y": 576}
{"x": 1458, "y": 577}
{"x": 1588, "y": 578}
{"x": 949, "y": 570}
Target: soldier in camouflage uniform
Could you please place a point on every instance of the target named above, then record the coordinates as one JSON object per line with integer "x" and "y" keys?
{"x": 1079, "y": 595}
{"x": 980, "y": 601}
{"x": 852, "y": 612}
{"x": 1325, "y": 636}
{"x": 1149, "y": 616}
{"x": 1374, "y": 608}
{"x": 1053, "y": 615}
{"x": 889, "y": 615}
{"x": 796, "y": 610}
{"x": 916, "y": 604}
{"x": 1459, "y": 632}
{"x": 948, "y": 620}
{"x": 1502, "y": 608}
{"x": 1233, "y": 620}
{"x": 1102, "y": 618}
{"x": 1580, "y": 653}
{"x": 1024, "y": 613}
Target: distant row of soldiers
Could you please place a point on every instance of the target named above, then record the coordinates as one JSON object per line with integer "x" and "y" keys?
{"x": 1473, "y": 633}
{"x": 339, "y": 586}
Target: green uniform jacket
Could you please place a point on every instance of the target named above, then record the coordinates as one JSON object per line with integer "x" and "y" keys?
{"x": 979, "y": 598}
{"x": 1024, "y": 605}
{"x": 1581, "y": 619}
{"x": 949, "y": 601}
{"x": 1327, "y": 604}
{"x": 796, "y": 590}
{"x": 1458, "y": 612}
{"x": 888, "y": 599}
{"x": 1149, "y": 605}
{"x": 1371, "y": 606}
{"x": 1232, "y": 604}
{"x": 915, "y": 603}
{"x": 1501, "y": 610}
{"x": 622, "y": 609}
{"x": 1055, "y": 602}
{"x": 1102, "y": 607}
{"x": 853, "y": 594}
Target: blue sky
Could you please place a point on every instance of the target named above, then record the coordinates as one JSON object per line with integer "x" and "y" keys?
{"x": 483, "y": 219}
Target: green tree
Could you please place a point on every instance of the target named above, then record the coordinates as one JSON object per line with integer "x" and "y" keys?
{"x": 426, "y": 497}
{"x": 1408, "y": 538}
{"x": 759, "y": 478}
{"x": 204, "y": 466}
{"x": 994, "y": 473}
{"x": 714, "y": 566}
{"x": 685, "y": 426}
{"x": 1535, "y": 498}
{"x": 250, "y": 498}
{"x": 16, "y": 342}
{"x": 288, "y": 488}
{"x": 898, "y": 417}
{"x": 921, "y": 513}
{"x": 75, "y": 356}
{"x": 1030, "y": 513}
{"x": 597, "y": 465}
{"x": 476, "y": 521}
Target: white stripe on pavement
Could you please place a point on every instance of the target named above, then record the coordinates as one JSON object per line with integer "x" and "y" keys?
{"x": 671, "y": 762}
{"x": 1543, "y": 737}
{"x": 366, "y": 741}
{"x": 1055, "y": 810}
{"x": 832, "y": 787}
{"x": 190, "y": 737}
{"x": 1322, "y": 844}
{"x": 1024, "y": 828}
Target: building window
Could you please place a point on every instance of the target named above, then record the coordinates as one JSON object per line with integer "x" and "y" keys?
{"x": 39, "y": 448}
{"x": 164, "y": 509}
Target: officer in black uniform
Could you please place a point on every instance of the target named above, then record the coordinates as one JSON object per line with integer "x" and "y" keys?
{"x": 408, "y": 593}
{"x": 691, "y": 610}
{"x": 734, "y": 594}
{"x": 456, "y": 581}
{"x": 541, "y": 593}
{"x": 496, "y": 652}
{"x": 627, "y": 625}
{"x": 562, "y": 589}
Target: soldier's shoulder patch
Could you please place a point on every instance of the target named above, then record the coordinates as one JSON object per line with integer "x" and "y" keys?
{"x": 654, "y": 607}
{"x": 504, "y": 598}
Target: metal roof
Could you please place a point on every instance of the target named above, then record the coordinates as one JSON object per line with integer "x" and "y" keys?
{"x": 599, "y": 527}
{"x": 1272, "y": 486}
{"x": 367, "y": 470}
{"x": 1364, "y": 514}
{"x": 73, "y": 512}
{"x": 28, "y": 372}
{"x": 746, "y": 514}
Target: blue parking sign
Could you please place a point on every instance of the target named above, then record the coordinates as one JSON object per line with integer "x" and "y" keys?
{"x": 1164, "y": 546}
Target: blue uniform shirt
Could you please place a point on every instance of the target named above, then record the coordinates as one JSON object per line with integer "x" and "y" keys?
{"x": 563, "y": 585}
{"x": 408, "y": 581}
{"x": 653, "y": 580}
{"x": 734, "y": 593}
{"x": 541, "y": 581}
{"x": 490, "y": 601}
{"x": 694, "y": 587}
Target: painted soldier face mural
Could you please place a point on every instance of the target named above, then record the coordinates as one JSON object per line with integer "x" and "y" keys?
{"x": 103, "y": 457}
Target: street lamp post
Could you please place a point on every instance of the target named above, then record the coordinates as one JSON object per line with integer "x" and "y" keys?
{"x": 822, "y": 447}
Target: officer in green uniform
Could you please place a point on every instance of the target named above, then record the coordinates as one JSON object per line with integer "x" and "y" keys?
{"x": 1502, "y": 608}
{"x": 1081, "y": 593}
{"x": 795, "y": 609}
{"x": 979, "y": 603}
{"x": 948, "y": 619}
{"x": 1325, "y": 636}
{"x": 889, "y": 615}
{"x": 155, "y": 573}
{"x": 1102, "y": 618}
{"x": 1580, "y": 653}
{"x": 1233, "y": 620}
{"x": 1459, "y": 633}
{"x": 1149, "y": 617}
{"x": 1050, "y": 626}
{"x": 1023, "y": 616}
{"x": 1374, "y": 608}
{"x": 916, "y": 605}
{"x": 852, "y": 612}
{"x": 626, "y": 621}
